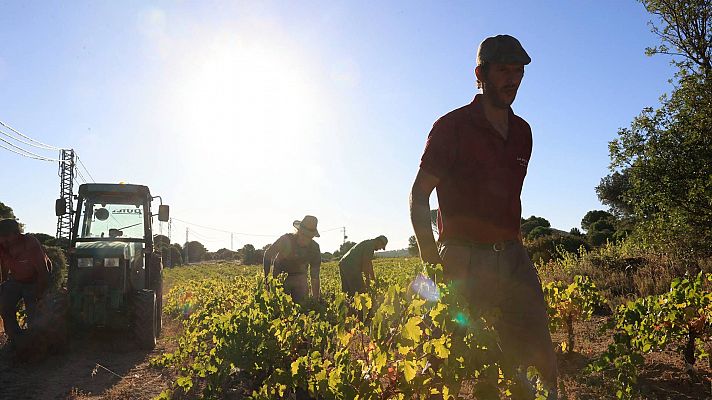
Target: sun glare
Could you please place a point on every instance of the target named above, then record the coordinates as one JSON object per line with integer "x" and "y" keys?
{"x": 247, "y": 99}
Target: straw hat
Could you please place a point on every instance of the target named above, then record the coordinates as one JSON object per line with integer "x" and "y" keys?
{"x": 307, "y": 225}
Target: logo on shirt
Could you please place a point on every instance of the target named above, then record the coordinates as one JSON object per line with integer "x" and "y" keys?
{"x": 523, "y": 161}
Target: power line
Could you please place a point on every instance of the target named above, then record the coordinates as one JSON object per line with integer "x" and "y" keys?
{"x": 243, "y": 233}
{"x": 85, "y": 169}
{"x": 39, "y": 144}
{"x": 329, "y": 230}
{"x": 79, "y": 174}
{"x": 28, "y": 154}
{"x": 21, "y": 140}
{"x": 204, "y": 237}
{"x": 222, "y": 230}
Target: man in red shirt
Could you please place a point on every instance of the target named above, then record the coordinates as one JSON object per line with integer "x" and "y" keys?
{"x": 24, "y": 275}
{"x": 476, "y": 159}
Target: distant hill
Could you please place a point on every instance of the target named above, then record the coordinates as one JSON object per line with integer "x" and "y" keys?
{"x": 392, "y": 253}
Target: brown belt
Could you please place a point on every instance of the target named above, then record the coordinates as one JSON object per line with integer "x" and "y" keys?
{"x": 496, "y": 246}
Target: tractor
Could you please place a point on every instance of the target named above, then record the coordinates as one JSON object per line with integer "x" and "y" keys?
{"x": 114, "y": 278}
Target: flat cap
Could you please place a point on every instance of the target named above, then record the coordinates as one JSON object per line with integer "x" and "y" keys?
{"x": 502, "y": 49}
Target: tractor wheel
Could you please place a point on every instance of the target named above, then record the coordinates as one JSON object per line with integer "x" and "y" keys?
{"x": 144, "y": 318}
{"x": 156, "y": 284}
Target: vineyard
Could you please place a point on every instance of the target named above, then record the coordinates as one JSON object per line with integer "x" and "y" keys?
{"x": 410, "y": 337}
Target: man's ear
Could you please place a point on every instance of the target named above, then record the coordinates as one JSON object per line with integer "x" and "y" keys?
{"x": 478, "y": 73}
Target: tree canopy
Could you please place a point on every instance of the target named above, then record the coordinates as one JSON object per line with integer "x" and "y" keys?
{"x": 662, "y": 164}
{"x": 6, "y": 211}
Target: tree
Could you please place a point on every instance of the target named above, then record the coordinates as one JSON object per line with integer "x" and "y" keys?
{"x": 176, "y": 256}
{"x": 45, "y": 239}
{"x": 686, "y": 31}
{"x": 194, "y": 251}
{"x": 163, "y": 245}
{"x": 161, "y": 241}
{"x": 663, "y": 158}
{"x": 539, "y": 231}
{"x": 413, "y": 246}
{"x": 226, "y": 254}
{"x": 575, "y": 232}
{"x": 528, "y": 225}
{"x": 611, "y": 191}
{"x": 343, "y": 249}
{"x": 595, "y": 216}
{"x": 545, "y": 248}
{"x": 6, "y": 211}
{"x": 249, "y": 256}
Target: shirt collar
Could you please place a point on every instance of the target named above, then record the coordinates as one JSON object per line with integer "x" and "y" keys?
{"x": 479, "y": 118}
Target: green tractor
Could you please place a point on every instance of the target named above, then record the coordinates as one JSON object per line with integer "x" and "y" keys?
{"x": 114, "y": 276}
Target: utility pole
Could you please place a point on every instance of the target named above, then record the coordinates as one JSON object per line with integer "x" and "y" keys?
{"x": 186, "y": 245}
{"x": 170, "y": 247}
{"x": 66, "y": 189}
{"x": 343, "y": 229}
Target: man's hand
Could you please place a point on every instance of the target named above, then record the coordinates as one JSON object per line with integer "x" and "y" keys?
{"x": 431, "y": 257}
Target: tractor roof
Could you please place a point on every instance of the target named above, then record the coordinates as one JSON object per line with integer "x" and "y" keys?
{"x": 89, "y": 189}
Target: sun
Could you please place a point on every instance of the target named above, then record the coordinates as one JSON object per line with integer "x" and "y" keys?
{"x": 247, "y": 96}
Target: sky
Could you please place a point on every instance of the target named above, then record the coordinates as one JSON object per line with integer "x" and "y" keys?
{"x": 247, "y": 115}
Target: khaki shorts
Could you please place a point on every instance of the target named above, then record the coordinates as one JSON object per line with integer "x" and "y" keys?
{"x": 504, "y": 283}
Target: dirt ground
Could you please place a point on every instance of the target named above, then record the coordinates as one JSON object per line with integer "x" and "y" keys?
{"x": 662, "y": 376}
{"x": 102, "y": 366}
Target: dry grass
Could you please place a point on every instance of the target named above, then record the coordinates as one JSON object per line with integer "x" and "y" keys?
{"x": 621, "y": 273}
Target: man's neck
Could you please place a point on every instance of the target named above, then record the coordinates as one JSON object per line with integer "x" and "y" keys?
{"x": 497, "y": 116}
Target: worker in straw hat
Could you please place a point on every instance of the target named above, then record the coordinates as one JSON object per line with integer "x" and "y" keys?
{"x": 357, "y": 264}
{"x": 297, "y": 254}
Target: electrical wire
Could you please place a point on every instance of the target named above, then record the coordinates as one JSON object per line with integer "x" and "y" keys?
{"x": 38, "y": 143}
{"x": 85, "y": 168}
{"x": 11, "y": 137}
{"x": 206, "y": 238}
{"x": 222, "y": 230}
{"x": 329, "y": 230}
{"x": 80, "y": 175}
{"x": 27, "y": 154}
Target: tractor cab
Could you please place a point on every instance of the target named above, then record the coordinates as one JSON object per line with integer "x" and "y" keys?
{"x": 114, "y": 278}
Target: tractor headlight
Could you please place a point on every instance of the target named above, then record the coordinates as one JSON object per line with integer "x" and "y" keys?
{"x": 111, "y": 262}
{"x": 85, "y": 262}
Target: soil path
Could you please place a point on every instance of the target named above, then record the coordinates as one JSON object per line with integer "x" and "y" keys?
{"x": 106, "y": 367}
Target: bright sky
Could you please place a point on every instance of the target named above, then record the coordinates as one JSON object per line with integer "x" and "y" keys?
{"x": 245, "y": 116}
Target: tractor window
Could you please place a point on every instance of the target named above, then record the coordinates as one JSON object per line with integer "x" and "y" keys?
{"x": 111, "y": 221}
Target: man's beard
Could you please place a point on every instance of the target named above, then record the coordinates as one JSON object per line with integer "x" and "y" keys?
{"x": 499, "y": 98}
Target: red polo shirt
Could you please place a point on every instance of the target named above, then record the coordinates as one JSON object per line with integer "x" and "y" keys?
{"x": 23, "y": 258}
{"x": 481, "y": 174}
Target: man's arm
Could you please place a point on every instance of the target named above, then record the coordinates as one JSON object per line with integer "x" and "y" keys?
{"x": 270, "y": 254}
{"x": 423, "y": 186}
{"x": 39, "y": 263}
{"x": 314, "y": 270}
{"x": 367, "y": 269}
{"x": 3, "y": 269}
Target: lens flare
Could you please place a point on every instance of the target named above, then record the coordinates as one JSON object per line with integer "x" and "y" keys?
{"x": 425, "y": 288}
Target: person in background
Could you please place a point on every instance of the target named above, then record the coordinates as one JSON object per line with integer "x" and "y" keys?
{"x": 297, "y": 254}
{"x": 476, "y": 158}
{"x": 356, "y": 267}
{"x": 25, "y": 275}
